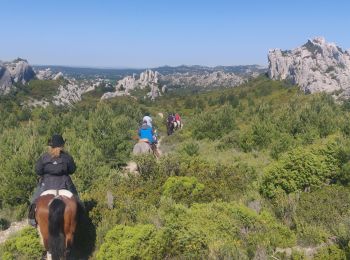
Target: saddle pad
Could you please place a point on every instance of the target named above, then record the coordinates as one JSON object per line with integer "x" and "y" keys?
{"x": 66, "y": 193}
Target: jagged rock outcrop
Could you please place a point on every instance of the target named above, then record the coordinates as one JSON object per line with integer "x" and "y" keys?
{"x": 48, "y": 74}
{"x": 20, "y": 70}
{"x": 17, "y": 71}
{"x": 45, "y": 74}
{"x": 72, "y": 91}
{"x": 59, "y": 75}
{"x": 147, "y": 78}
{"x": 316, "y": 66}
{"x": 5, "y": 80}
{"x": 203, "y": 80}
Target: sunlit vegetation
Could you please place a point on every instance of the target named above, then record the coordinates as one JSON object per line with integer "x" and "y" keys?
{"x": 255, "y": 168}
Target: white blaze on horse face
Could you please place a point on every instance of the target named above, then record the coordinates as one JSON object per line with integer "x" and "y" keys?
{"x": 48, "y": 256}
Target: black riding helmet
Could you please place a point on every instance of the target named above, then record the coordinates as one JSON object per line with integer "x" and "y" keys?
{"x": 56, "y": 141}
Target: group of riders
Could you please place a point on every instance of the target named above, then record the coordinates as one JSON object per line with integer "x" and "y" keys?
{"x": 148, "y": 135}
{"x": 55, "y": 166}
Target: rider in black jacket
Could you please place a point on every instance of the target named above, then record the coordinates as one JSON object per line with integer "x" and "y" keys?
{"x": 54, "y": 169}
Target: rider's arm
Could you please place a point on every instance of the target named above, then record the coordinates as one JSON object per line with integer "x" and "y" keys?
{"x": 71, "y": 167}
{"x": 39, "y": 167}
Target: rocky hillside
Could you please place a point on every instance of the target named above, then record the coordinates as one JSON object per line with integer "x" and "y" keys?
{"x": 147, "y": 79}
{"x": 207, "y": 77}
{"x": 17, "y": 71}
{"x": 316, "y": 66}
{"x": 74, "y": 82}
{"x": 162, "y": 78}
{"x": 203, "y": 80}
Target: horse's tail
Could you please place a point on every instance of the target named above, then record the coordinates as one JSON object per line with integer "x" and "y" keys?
{"x": 56, "y": 234}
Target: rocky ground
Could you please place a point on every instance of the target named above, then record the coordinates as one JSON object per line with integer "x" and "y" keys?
{"x": 14, "y": 228}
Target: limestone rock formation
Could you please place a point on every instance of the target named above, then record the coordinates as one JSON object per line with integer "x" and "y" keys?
{"x": 5, "y": 80}
{"x": 72, "y": 90}
{"x": 147, "y": 78}
{"x": 17, "y": 71}
{"x": 203, "y": 80}
{"x": 20, "y": 70}
{"x": 45, "y": 74}
{"x": 48, "y": 74}
{"x": 59, "y": 75}
{"x": 316, "y": 66}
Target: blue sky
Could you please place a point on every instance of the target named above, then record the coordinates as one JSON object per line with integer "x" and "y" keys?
{"x": 151, "y": 33}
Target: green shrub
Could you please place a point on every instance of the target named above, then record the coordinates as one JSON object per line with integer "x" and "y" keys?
{"x": 221, "y": 229}
{"x": 344, "y": 175}
{"x": 4, "y": 224}
{"x": 213, "y": 125}
{"x": 325, "y": 208}
{"x": 310, "y": 235}
{"x": 191, "y": 149}
{"x": 147, "y": 166}
{"x": 25, "y": 245}
{"x": 185, "y": 190}
{"x": 331, "y": 252}
{"x": 125, "y": 242}
{"x": 40, "y": 89}
{"x": 297, "y": 255}
{"x": 302, "y": 168}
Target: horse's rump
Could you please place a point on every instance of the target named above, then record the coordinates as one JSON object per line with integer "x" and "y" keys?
{"x": 56, "y": 217}
{"x": 141, "y": 148}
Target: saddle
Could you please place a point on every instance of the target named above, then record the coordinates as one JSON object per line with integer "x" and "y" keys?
{"x": 65, "y": 193}
{"x": 145, "y": 140}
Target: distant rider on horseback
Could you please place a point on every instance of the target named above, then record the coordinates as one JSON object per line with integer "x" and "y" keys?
{"x": 178, "y": 121}
{"x": 170, "y": 124}
{"x": 147, "y": 134}
{"x": 54, "y": 168}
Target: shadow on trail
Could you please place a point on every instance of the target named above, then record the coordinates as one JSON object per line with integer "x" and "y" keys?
{"x": 85, "y": 236}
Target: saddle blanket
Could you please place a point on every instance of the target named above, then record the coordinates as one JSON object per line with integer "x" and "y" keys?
{"x": 66, "y": 193}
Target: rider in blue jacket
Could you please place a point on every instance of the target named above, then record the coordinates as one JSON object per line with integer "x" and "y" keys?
{"x": 146, "y": 132}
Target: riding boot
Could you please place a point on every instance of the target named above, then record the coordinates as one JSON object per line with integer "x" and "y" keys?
{"x": 31, "y": 215}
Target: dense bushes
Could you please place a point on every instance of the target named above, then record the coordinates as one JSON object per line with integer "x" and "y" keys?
{"x": 213, "y": 124}
{"x": 124, "y": 242}
{"x": 185, "y": 190}
{"x": 332, "y": 201}
{"x": 214, "y": 230}
{"x": 303, "y": 168}
{"x": 24, "y": 246}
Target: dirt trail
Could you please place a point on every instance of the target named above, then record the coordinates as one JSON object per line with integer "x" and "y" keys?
{"x": 14, "y": 228}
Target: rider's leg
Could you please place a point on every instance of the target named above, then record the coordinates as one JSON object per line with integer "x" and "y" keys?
{"x": 31, "y": 212}
{"x": 155, "y": 150}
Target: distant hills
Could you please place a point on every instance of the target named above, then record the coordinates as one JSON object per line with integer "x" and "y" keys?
{"x": 116, "y": 74}
{"x": 316, "y": 66}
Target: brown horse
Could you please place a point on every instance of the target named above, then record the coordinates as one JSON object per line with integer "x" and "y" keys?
{"x": 57, "y": 220}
